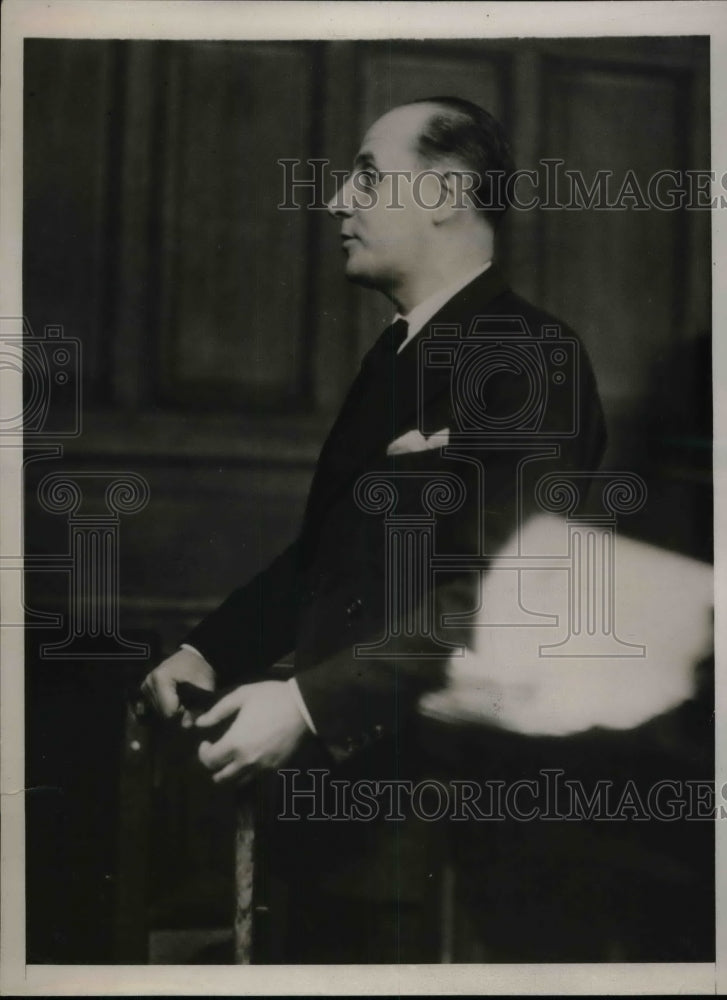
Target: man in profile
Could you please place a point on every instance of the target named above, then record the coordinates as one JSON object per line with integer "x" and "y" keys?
{"x": 418, "y": 218}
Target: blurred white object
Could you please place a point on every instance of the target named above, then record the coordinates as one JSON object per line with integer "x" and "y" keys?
{"x": 662, "y": 604}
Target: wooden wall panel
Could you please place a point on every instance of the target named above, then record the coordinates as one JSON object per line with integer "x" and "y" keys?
{"x": 220, "y": 335}
{"x": 395, "y": 74}
{"x": 135, "y": 290}
{"x": 615, "y": 275}
{"x": 71, "y": 122}
{"x": 207, "y": 529}
{"x": 235, "y": 273}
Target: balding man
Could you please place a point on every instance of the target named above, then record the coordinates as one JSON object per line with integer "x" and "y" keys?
{"x": 417, "y": 219}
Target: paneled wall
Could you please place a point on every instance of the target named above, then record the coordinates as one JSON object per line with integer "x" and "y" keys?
{"x": 218, "y": 333}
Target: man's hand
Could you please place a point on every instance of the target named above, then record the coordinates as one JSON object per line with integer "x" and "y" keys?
{"x": 266, "y": 730}
{"x": 160, "y": 686}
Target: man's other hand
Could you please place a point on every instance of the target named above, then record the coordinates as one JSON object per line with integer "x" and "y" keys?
{"x": 265, "y": 731}
{"x": 160, "y": 686}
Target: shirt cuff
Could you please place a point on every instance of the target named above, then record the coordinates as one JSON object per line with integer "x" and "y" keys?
{"x": 292, "y": 683}
{"x": 303, "y": 708}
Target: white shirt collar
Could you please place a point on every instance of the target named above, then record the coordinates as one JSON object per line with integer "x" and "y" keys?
{"x": 420, "y": 315}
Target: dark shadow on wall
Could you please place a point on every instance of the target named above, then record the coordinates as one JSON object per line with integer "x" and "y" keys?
{"x": 674, "y": 452}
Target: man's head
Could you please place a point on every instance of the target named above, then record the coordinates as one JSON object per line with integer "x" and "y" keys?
{"x": 461, "y": 135}
{"x": 424, "y": 197}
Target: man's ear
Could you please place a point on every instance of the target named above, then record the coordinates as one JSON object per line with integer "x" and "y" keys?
{"x": 446, "y": 205}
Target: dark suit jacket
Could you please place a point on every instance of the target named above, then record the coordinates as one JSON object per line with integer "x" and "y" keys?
{"x": 539, "y": 892}
{"x": 326, "y": 592}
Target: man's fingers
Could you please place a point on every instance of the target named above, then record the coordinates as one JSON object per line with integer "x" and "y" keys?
{"x": 232, "y": 702}
{"x": 167, "y": 700}
{"x": 213, "y": 756}
{"x": 147, "y": 692}
{"x": 159, "y": 687}
{"x": 235, "y": 769}
{"x": 161, "y": 695}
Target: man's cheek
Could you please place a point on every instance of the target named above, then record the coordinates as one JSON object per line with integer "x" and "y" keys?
{"x": 364, "y": 197}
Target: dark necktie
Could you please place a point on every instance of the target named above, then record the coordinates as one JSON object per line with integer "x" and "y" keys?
{"x": 374, "y": 380}
{"x": 371, "y": 390}
{"x": 385, "y": 348}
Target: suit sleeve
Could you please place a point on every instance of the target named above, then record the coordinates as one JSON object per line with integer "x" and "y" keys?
{"x": 357, "y": 700}
{"x": 255, "y": 625}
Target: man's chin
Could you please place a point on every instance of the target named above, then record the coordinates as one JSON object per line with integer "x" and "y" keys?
{"x": 361, "y": 275}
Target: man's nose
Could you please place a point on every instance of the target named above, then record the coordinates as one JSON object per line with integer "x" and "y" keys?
{"x": 341, "y": 204}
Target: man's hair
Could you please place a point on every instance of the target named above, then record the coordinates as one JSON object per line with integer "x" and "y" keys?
{"x": 462, "y": 131}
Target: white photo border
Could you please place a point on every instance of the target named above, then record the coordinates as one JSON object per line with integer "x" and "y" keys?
{"x": 208, "y": 19}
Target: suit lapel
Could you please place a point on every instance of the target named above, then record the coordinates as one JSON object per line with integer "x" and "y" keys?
{"x": 375, "y": 415}
{"x": 416, "y": 389}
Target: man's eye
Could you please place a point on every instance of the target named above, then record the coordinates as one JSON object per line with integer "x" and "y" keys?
{"x": 369, "y": 178}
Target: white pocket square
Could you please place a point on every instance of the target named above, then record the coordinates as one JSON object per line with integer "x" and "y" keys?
{"x": 415, "y": 441}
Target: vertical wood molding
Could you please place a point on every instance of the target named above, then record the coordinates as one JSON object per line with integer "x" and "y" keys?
{"x": 135, "y": 286}
{"x": 69, "y": 110}
{"x": 335, "y": 349}
{"x": 522, "y": 250}
{"x": 698, "y": 315}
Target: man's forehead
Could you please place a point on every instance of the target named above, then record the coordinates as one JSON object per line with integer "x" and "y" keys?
{"x": 396, "y": 132}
